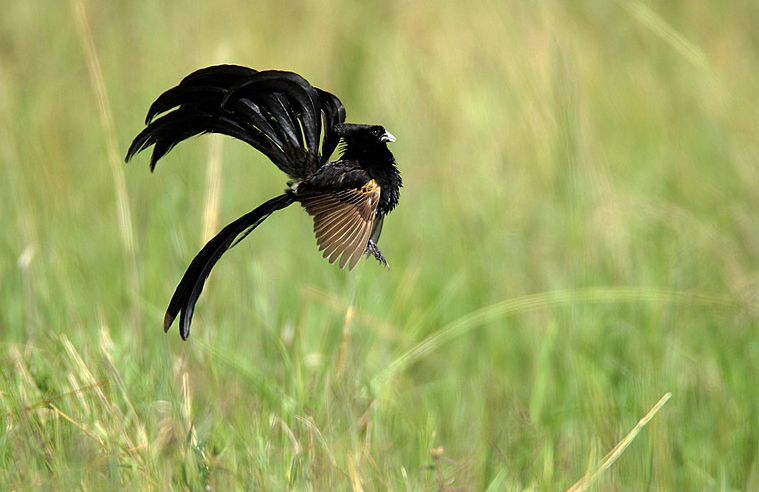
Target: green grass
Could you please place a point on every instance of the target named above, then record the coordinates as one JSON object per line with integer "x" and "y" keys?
{"x": 577, "y": 236}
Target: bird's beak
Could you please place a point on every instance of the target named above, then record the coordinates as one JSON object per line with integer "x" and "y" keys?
{"x": 387, "y": 137}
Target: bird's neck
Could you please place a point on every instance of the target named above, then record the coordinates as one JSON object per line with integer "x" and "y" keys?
{"x": 374, "y": 155}
{"x": 379, "y": 163}
{"x": 389, "y": 179}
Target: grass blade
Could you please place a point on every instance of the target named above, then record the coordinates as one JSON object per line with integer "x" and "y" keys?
{"x": 617, "y": 451}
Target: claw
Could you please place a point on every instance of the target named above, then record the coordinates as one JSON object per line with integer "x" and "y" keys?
{"x": 372, "y": 248}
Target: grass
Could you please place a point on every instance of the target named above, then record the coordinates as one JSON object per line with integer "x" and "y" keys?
{"x": 577, "y": 238}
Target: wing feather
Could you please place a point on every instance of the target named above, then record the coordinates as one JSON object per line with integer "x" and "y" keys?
{"x": 343, "y": 220}
{"x": 342, "y": 238}
{"x": 358, "y": 246}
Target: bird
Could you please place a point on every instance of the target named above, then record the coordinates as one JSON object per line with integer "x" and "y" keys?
{"x": 298, "y": 127}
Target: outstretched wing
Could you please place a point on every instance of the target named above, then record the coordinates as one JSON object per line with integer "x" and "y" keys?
{"x": 343, "y": 220}
{"x": 278, "y": 113}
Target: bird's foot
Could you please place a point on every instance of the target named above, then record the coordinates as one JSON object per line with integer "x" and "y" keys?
{"x": 372, "y": 248}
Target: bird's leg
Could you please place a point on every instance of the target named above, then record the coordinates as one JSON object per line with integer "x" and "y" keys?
{"x": 372, "y": 248}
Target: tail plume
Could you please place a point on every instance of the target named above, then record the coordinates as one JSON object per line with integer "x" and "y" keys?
{"x": 189, "y": 288}
{"x": 278, "y": 113}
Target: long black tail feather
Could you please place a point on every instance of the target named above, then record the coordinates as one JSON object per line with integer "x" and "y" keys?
{"x": 278, "y": 113}
{"x": 189, "y": 288}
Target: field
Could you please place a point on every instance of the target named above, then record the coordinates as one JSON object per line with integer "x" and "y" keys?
{"x": 577, "y": 237}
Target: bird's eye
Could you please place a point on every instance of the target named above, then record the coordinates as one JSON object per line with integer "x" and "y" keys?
{"x": 377, "y": 131}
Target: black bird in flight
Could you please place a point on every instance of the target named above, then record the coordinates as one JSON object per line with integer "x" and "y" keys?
{"x": 298, "y": 127}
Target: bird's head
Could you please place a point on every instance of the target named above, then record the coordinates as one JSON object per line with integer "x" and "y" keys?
{"x": 363, "y": 135}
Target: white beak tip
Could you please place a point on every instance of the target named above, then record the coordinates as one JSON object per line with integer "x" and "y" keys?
{"x": 388, "y": 137}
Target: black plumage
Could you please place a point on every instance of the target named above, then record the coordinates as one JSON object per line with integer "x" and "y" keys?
{"x": 298, "y": 127}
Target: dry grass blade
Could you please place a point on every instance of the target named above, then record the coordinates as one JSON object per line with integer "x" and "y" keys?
{"x": 617, "y": 451}
{"x": 666, "y": 32}
{"x": 114, "y": 159}
{"x": 353, "y": 473}
{"x": 79, "y": 426}
{"x": 350, "y": 313}
{"x": 187, "y": 410}
{"x": 312, "y": 427}
{"x": 213, "y": 188}
{"x": 50, "y": 401}
{"x": 535, "y": 301}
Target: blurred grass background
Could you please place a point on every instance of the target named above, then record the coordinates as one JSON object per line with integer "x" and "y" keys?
{"x": 577, "y": 235}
